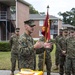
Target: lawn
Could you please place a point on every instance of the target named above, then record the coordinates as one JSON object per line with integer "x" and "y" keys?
{"x": 5, "y": 63}
{"x": 5, "y": 60}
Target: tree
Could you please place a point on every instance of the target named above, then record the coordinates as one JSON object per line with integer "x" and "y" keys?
{"x": 13, "y": 9}
{"x": 68, "y": 16}
{"x": 32, "y": 10}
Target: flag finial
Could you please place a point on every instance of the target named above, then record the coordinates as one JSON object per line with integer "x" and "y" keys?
{"x": 48, "y": 6}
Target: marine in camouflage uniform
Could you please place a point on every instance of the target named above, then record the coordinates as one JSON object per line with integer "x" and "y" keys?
{"x": 57, "y": 49}
{"x": 27, "y": 53}
{"x": 27, "y": 48}
{"x": 70, "y": 55}
{"x": 62, "y": 53}
{"x": 47, "y": 59}
{"x": 14, "y": 50}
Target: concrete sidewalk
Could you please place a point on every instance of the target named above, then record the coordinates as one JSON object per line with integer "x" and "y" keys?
{"x": 7, "y": 72}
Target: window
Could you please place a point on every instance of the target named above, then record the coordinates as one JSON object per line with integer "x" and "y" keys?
{"x": 41, "y": 23}
{"x": 40, "y": 33}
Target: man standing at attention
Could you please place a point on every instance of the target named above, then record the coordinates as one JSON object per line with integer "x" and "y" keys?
{"x": 57, "y": 49}
{"x": 62, "y": 53}
{"x": 27, "y": 48}
{"x": 70, "y": 53}
{"x": 14, "y": 50}
{"x": 45, "y": 58}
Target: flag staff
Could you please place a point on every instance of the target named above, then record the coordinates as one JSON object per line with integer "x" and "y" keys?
{"x": 46, "y": 33}
{"x": 48, "y": 8}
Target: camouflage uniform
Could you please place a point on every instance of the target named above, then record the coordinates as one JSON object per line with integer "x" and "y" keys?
{"x": 14, "y": 51}
{"x": 70, "y": 56}
{"x": 47, "y": 59}
{"x": 27, "y": 52}
{"x": 62, "y": 43}
{"x": 57, "y": 50}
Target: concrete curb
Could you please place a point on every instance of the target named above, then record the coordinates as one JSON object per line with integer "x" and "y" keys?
{"x": 7, "y": 72}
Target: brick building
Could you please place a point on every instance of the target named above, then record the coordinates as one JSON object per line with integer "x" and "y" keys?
{"x": 7, "y": 22}
{"x": 55, "y": 25}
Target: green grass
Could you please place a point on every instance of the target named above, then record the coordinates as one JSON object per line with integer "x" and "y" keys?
{"x": 5, "y": 63}
{"x": 4, "y": 60}
{"x": 53, "y": 59}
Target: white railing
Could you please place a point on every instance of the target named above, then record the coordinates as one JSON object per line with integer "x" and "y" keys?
{"x": 3, "y": 14}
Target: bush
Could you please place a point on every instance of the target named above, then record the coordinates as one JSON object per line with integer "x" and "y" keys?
{"x": 4, "y": 46}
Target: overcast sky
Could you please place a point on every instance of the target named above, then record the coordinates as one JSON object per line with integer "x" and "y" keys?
{"x": 55, "y": 5}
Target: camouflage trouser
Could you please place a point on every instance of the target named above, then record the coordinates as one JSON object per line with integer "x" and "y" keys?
{"x": 62, "y": 65}
{"x": 48, "y": 65}
{"x": 25, "y": 62}
{"x": 70, "y": 66}
{"x": 57, "y": 57}
{"x": 14, "y": 57}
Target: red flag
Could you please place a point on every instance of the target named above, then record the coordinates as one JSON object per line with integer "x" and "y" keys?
{"x": 46, "y": 28}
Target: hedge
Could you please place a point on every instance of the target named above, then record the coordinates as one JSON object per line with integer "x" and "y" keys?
{"x": 4, "y": 46}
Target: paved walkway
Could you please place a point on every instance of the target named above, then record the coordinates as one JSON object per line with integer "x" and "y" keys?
{"x": 7, "y": 72}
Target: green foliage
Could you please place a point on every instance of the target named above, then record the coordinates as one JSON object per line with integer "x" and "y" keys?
{"x": 32, "y": 10}
{"x": 4, "y": 46}
{"x": 13, "y": 9}
{"x": 68, "y": 16}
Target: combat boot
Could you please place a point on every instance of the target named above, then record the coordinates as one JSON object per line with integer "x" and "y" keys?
{"x": 12, "y": 73}
{"x": 48, "y": 73}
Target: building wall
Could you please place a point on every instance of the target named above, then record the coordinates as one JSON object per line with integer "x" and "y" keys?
{"x": 23, "y": 14}
{"x": 37, "y": 28}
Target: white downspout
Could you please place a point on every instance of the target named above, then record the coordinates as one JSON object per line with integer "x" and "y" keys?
{"x": 16, "y": 14}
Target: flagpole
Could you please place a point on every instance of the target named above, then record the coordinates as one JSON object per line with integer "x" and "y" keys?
{"x": 46, "y": 40}
{"x": 16, "y": 14}
{"x": 48, "y": 22}
{"x": 48, "y": 8}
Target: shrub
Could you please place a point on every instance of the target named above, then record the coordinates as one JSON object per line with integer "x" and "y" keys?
{"x": 4, "y": 46}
